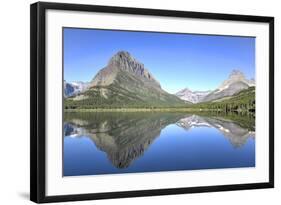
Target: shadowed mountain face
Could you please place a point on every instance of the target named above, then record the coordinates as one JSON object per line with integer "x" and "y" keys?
{"x": 124, "y": 82}
{"x": 125, "y": 137}
{"x": 123, "y": 61}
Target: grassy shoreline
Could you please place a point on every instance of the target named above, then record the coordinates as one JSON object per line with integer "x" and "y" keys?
{"x": 144, "y": 110}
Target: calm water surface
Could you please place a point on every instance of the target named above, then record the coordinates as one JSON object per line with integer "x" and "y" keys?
{"x": 107, "y": 143}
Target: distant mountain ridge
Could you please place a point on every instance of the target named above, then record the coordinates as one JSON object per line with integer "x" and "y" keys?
{"x": 123, "y": 82}
{"x": 192, "y": 96}
{"x": 236, "y": 76}
{"x": 74, "y": 88}
{"x": 123, "y": 61}
{"x": 235, "y": 83}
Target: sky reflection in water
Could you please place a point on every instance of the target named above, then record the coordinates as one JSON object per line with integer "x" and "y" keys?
{"x": 107, "y": 143}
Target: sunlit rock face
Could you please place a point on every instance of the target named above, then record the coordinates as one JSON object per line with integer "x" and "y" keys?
{"x": 124, "y": 82}
{"x": 236, "y": 76}
{"x": 123, "y": 61}
{"x": 192, "y": 96}
{"x": 235, "y": 83}
{"x": 121, "y": 66}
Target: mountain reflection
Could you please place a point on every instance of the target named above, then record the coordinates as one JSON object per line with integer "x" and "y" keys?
{"x": 124, "y": 137}
{"x": 236, "y": 134}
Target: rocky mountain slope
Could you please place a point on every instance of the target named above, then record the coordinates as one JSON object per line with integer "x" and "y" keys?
{"x": 123, "y": 61}
{"x": 124, "y": 82}
{"x": 74, "y": 88}
{"x": 243, "y": 101}
{"x": 192, "y": 96}
{"x": 235, "y": 83}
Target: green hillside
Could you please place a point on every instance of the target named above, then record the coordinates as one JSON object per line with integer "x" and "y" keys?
{"x": 242, "y": 101}
{"x": 127, "y": 91}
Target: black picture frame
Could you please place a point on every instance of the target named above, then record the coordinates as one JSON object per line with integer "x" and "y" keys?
{"x": 38, "y": 103}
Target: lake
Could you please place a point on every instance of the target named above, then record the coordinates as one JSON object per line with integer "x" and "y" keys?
{"x": 127, "y": 142}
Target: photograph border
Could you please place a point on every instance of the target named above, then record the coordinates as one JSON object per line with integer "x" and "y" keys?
{"x": 38, "y": 101}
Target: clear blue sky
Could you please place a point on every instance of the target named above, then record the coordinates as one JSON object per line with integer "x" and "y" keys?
{"x": 199, "y": 62}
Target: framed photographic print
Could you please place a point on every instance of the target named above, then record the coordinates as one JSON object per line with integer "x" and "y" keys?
{"x": 129, "y": 102}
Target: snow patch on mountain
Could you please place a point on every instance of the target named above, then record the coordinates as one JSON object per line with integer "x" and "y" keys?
{"x": 235, "y": 82}
{"x": 74, "y": 88}
{"x": 192, "y": 96}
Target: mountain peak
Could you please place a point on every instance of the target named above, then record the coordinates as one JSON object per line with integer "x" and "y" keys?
{"x": 235, "y": 76}
{"x": 124, "y": 82}
{"x": 235, "y": 82}
{"x": 123, "y": 53}
{"x": 191, "y": 96}
{"x": 124, "y": 61}
{"x": 236, "y": 73}
{"x": 184, "y": 90}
